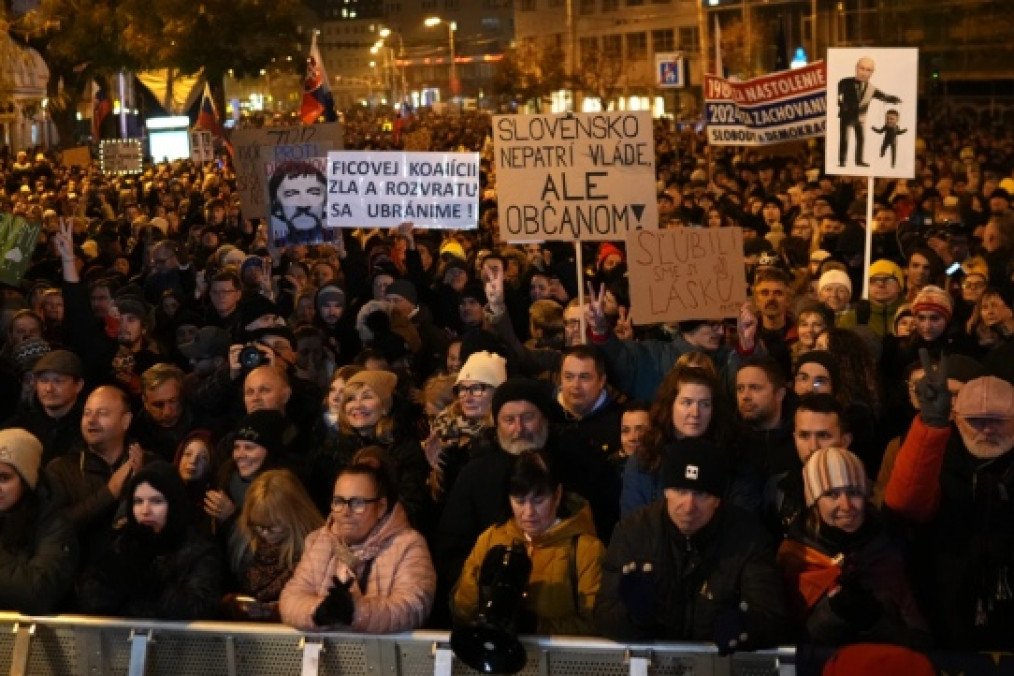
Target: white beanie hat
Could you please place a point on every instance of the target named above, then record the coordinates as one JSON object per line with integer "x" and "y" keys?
{"x": 484, "y": 367}
{"x": 20, "y": 449}
{"x": 834, "y": 277}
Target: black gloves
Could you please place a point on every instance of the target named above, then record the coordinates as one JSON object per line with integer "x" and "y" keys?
{"x": 638, "y": 590}
{"x": 337, "y": 607}
{"x": 730, "y": 629}
{"x": 934, "y": 397}
{"x": 856, "y": 604}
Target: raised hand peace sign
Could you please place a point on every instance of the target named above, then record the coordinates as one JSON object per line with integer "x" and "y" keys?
{"x": 932, "y": 393}
{"x": 593, "y": 312}
{"x": 624, "y": 328}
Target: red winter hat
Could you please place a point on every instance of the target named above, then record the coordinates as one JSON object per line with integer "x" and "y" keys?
{"x": 875, "y": 659}
{"x": 607, "y": 249}
{"x": 933, "y": 299}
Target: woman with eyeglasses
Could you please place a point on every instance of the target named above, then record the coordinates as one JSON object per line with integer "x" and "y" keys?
{"x": 267, "y": 543}
{"x": 454, "y": 430}
{"x": 368, "y": 416}
{"x": 366, "y": 569}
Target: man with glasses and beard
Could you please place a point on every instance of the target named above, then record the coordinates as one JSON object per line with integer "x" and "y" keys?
{"x": 298, "y": 194}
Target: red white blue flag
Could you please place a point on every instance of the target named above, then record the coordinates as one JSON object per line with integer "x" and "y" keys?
{"x": 207, "y": 117}
{"x": 101, "y": 109}
{"x": 317, "y": 98}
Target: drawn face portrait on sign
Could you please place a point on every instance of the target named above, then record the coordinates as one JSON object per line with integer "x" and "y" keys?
{"x": 297, "y": 191}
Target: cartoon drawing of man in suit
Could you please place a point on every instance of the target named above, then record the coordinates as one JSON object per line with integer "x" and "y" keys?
{"x": 854, "y": 97}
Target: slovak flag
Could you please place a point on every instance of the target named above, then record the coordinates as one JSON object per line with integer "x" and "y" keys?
{"x": 207, "y": 117}
{"x": 100, "y": 111}
{"x": 317, "y": 98}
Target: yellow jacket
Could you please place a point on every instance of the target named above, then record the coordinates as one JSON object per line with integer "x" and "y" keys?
{"x": 550, "y": 595}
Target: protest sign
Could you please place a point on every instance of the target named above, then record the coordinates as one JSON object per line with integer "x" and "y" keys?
{"x": 784, "y": 106}
{"x": 296, "y": 193}
{"x": 256, "y": 147}
{"x": 670, "y": 71}
{"x": 121, "y": 156}
{"x": 81, "y": 156}
{"x": 685, "y": 273}
{"x": 383, "y": 189}
{"x": 872, "y": 94}
{"x": 574, "y": 177}
{"x": 202, "y": 146}
{"x": 17, "y": 244}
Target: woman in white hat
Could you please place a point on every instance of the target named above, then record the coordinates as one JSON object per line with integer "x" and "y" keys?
{"x": 844, "y": 572}
{"x": 455, "y": 429}
{"x": 38, "y": 547}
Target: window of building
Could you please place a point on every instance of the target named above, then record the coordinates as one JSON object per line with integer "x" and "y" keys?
{"x": 689, "y": 38}
{"x": 612, "y": 46}
{"x": 452, "y": 4}
{"x": 589, "y": 48}
{"x": 556, "y": 3}
{"x": 663, "y": 40}
{"x": 637, "y": 46}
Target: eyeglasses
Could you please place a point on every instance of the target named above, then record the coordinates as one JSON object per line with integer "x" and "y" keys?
{"x": 476, "y": 390}
{"x": 355, "y": 505}
{"x": 973, "y": 286}
{"x": 881, "y": 280}
{"x": 816, "y": 382}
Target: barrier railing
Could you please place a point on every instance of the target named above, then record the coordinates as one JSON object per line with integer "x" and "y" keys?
{"x": 70, "y": 645}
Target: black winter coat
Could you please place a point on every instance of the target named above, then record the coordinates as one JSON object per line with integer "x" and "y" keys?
{"x": 726, "y": 563}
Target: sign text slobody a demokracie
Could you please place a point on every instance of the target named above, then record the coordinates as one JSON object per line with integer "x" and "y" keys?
{"x": 785, "y": 106}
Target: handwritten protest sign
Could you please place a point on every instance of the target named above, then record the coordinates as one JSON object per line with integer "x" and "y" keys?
{"x": 685, "y": 273}
{"x": 121, "y": 156}
{"x": 256, "y": 147}
{"x": 587, "y": 177}
{"x": 81, "y": 156}
{"x": 383, "y": 189}
{"x": 784, "y": 106}
{"x": 17, "y": 243}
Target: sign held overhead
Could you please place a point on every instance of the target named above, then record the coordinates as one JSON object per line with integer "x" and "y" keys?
{"x": 574, "y": 177}
{"x": 685, "y": 273}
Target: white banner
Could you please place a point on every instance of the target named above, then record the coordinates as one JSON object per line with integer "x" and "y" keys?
{"x": 121, "y": 156}
{"x": 581, "y": 176}
{"x": 383, "y": 189}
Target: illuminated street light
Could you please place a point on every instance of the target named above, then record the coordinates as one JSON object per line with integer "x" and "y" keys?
{"x": 452, "y": 26}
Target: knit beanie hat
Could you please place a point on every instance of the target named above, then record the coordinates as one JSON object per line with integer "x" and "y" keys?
{"x": 885, "y": 267}
{"x": 381, "y": 382}
{"x": 607, "y": 249}
{"x": 330, "y": 293}
{"x": 253, "y": 307}
{"x": 695, "y": 464}
{"x": 933, "y": 299}
{"x": 523, "y": 389}
{"x": 834, "y": 277}
{"x": 831, "y": 468}
{"x": 29, "y": 353}
{"x": 484, "y": 367}
{"x": 825, "y": 359}
{"x": 405, "y": 289}
{"x": 264, "y": 428}
{"x": 20, "y": 449}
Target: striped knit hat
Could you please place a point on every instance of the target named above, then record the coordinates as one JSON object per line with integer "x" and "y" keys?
{"x": 831, "y": 468}
{"x": 933, "y": 298}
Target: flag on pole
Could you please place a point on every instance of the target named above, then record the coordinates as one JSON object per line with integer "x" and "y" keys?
{"x": 101, "y": 109}
{"x": 317, "y": 98}
{"x": 207, "y": 117}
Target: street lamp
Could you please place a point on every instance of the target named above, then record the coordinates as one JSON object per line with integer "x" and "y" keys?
{"x": 452, "y": 26}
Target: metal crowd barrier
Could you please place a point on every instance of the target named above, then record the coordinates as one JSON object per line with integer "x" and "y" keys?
{"x": 70, "y": 645}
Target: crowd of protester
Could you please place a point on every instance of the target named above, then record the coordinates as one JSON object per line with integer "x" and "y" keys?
{"x": 346, "y": 435}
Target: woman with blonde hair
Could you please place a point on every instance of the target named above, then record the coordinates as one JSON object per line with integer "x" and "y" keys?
{"x": 366, "y": 417}
{"x": 267, "y": 543}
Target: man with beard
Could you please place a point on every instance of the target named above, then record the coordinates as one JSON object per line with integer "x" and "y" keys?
{"x": 298, "y": 192}
{"x": 959, "y": 488}
{"x": 133, "y": 356}
{"x": 522, "y": 410}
